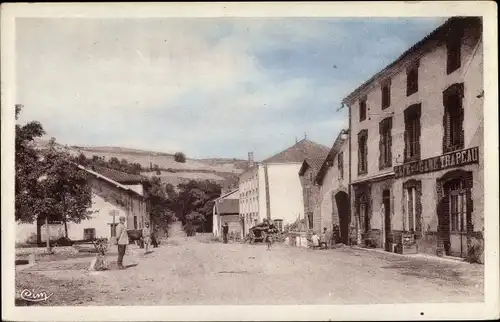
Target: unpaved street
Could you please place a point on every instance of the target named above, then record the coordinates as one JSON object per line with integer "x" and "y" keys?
{"x": 198, "y": 271}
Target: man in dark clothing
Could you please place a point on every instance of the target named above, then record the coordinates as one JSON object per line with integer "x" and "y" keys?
{"x": 225, "y": 232}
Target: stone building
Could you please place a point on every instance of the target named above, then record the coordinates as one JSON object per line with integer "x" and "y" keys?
{"x": 311, "y": 192}
{"x": 333, "y": 182}
{"x": 417, "y": 145}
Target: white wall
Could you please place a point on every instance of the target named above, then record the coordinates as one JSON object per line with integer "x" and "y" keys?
{"x": 285, "y": 192}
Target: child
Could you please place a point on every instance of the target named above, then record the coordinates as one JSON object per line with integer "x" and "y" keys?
{"x": 315, "y": 240}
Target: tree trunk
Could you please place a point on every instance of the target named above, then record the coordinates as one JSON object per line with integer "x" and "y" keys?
{"x": 65, "y": 228}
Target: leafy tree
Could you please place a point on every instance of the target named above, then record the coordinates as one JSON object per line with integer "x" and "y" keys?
{"x": 161, "y": 214}
{"x": 68, "y": 187}
{"x": 82, "y": 159}
{"x": 47, "y": 183}
{"x": 27, "y": 170}
{"x": 180, "y": 157}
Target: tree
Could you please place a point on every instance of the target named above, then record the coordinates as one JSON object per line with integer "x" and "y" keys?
{"x": 161, "y": 213}
{"x": 27, "y": 170}
{"x": 68, "y": 187}
{"x": 82, "y": 159}
{"x": 47, "y": 183}
{"x": 180, "y": 157}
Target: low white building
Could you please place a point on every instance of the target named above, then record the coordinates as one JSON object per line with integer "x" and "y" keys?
{"x": 128, "y": 199}
{"x": 226, "y": 210}
{"x": 272, "y": 188}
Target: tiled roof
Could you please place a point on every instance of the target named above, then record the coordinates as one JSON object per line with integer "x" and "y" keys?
{"x": 300, "y": 151}
{"x": 314, "y": 163}
{"x": 119, "y": 176}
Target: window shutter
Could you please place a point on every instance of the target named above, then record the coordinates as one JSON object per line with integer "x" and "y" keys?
{"x": 389, "y": 144}
{"x": 381, "y": 164}
{"x": 418, "y": 130}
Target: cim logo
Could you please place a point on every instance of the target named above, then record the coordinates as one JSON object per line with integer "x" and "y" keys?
{"x": 32, "y": 296}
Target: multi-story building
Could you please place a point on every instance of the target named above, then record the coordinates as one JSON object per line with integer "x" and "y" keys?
{"x": 333, "y": 182}
{"x": 417, "y": 145}
{"x": 272, "y": 188}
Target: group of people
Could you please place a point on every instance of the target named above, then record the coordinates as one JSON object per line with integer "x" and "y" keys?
{"x": 321, "y": 242}
{"x": 148, "y": 238}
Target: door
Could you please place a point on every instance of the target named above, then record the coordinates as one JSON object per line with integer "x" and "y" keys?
{"x": 386, "y": 199}
{"x": 455, "y": 219}
{"x": 457, "y": 214}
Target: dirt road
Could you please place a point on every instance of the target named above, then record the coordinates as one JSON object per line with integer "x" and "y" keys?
{"x": 193, "y": 271}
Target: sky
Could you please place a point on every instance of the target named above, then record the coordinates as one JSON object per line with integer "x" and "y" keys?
{"x": 209, "y": 87}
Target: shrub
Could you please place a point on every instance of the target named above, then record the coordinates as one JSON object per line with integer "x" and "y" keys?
{"x": 32, "y": 239}
{"x": 180, "y": 157}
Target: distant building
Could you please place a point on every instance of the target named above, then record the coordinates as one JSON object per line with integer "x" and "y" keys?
{"x": 226, "y": 210}
{"x": 417, "y": 145}
{"x": 112, "y": 192}
{"x": 333, "y": 181}
{"x": 272, "y": 188}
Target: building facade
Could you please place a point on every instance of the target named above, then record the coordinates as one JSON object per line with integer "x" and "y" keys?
{"x": 226, "y": 210}
{"x": 108, "y": 197}
{"x": 417, "y": 146}
{"x": 333, "y": 181}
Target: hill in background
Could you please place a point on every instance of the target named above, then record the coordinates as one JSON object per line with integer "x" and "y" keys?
{"x": 171, "y": 171}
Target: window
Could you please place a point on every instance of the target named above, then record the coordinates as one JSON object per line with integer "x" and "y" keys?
{"x": 340, "y": 164}
{"x": 385, "y": 143}
{"x": 412, "y": 79}
{"x": 412, "y": 133}
{"x": 362, "y": 151}
{"x": 362, "y": 110}
{"x": 310, "y": 220}
{"x": 363, "y": 213}
{"x": 458, "y": 206}
{"x": 386, "y": 95}
{"x": 311, "y": 176}
{"x": 453, "y": 118}
{"x": 453, "y": 48}
{"x": 89, "y": 233}
{"x": 135, "y": 222}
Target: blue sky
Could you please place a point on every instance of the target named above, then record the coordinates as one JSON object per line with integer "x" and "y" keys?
{"x": 209, "y": 87}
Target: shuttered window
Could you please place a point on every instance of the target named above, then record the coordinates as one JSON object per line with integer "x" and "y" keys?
{"x": 340, "y": 164}
{"x": 385, "y": 143}
{"x": 362, "y": 151}
{"x": 453, "y": 48}
{"x": 453, "y": 118}
{"x": 386, "y": 95}
{"x": 412, "y": 79}
{"x": 362, "y": 110}
{"x": 412, "y": 133}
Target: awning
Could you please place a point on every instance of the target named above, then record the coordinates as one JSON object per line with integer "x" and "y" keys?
{"x": 379, "y": 177}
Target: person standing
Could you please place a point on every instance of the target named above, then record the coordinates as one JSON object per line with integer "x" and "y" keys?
{"x": 225, "y": 232}
{"x": 123, "y": 241}
{"x": 146, "y": 236}
{"x": 323, "y": 239}
{"x": 315, "y": 240}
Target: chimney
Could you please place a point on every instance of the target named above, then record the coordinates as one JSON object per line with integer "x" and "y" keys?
{"x": 250, "y": 159}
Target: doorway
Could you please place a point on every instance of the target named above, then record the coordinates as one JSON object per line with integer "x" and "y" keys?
{"x": 342, "y": 201}
{"x": 455, "y": 212}
{"x": 386, "y": 200}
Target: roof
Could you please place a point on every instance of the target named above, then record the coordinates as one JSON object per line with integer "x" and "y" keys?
{"x": 117, "y": 184}
{"x": 230, "y": 195}
{"x": 228, "y": 206}
{"x": 438, "y": 33}
{"x": 314, "y": 163}
{"x": 300, "y": 151}
{"x": 337, "y": 145}
{"x": 119, "y": 176}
